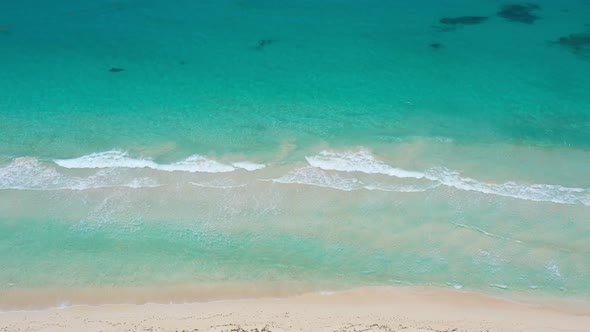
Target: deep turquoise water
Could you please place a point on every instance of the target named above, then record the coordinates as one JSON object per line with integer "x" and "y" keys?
{"x": 337, "y": 143}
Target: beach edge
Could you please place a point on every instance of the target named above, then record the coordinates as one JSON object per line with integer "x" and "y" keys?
{"x": 361, "y": 309}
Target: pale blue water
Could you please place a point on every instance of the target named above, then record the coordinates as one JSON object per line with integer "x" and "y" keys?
{"x": 396, "y": 149}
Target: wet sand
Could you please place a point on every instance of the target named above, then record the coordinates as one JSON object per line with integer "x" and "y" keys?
{"x": 374, "y": 309}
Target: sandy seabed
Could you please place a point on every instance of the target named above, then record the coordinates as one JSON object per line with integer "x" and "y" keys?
{"x": 368, "y": 309}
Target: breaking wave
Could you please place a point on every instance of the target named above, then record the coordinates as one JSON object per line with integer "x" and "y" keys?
{"x": 317, "y": 177}
{"x": 31, "y": 174}
{"x": 364, "y": 162}
{"x": 119, "y": 159}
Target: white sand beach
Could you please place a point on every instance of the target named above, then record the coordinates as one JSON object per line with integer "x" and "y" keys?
{"x": 373, "y": 309}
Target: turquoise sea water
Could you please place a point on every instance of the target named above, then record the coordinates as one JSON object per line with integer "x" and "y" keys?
{"x": 334, "y": 143}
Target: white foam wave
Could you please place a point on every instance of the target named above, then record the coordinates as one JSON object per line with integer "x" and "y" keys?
{"x": 317, "y": 177}
{"x": 359, "y": 161}
{"x": 363, "y": 161}
{"x": 194, "y": 164}
{"x": 485, "y": 232}
{"x": 119, "y": 159}
{"x": 554, "y": 270}
{"x": 399, "y": 188}
{"x": 500, "y": 286}
{"x": 31, "y": 174}
{"x": 249, "y": 166}
{"x": 138, "y": 183}
{"x": 532, "y": 192}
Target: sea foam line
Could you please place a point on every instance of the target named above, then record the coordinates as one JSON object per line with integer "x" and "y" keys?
{"x": 26, "y": 173}
{"x": 120, "y": 159}
{"x": 477, "y": 229}
{"x": 363, "y": 161}
{"x": 30, "y": 174}
{"x": 317, "y": 177}
{"x": 359, "y": 161}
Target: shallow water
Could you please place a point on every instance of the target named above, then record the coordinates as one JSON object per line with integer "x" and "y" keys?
{"x": 325, "y": 142}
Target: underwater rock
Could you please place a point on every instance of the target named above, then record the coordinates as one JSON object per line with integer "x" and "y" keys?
{"x": 579, "y": 43}
{"x": 436, "y": 46}
{"x": 519, "y": 13}
{"x": 116, "y": 70}
{"x": 576, "y": 40}
{"x": 464, "y": 20}
{"x": 263, "y": 43}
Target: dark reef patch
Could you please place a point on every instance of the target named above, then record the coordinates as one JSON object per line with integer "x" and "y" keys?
{"x": 116, "y": 70}
{"x": 520, "y": 13}
{"x": 264, "y": 43}
{"x": 463, "y": 20}
{"x": 436, "y": 46}
{"x": 575, "y": 40}
{"x": 578, "y": 43}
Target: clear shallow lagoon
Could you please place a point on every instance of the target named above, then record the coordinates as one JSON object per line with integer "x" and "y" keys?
{"x": 331, "y": 143}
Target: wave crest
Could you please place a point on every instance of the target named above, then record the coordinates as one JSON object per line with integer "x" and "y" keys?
{"x": 364, "y": 162}
{"x": 31, "y": 174}
{"x": 119, "y": 159}
{"x": 359, "y": 161}
{"x": 316, "y": 177}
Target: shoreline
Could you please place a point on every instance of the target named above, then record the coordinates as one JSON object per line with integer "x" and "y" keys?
{"x": 39, "y": 299}
{"x": 367, "y": 309}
